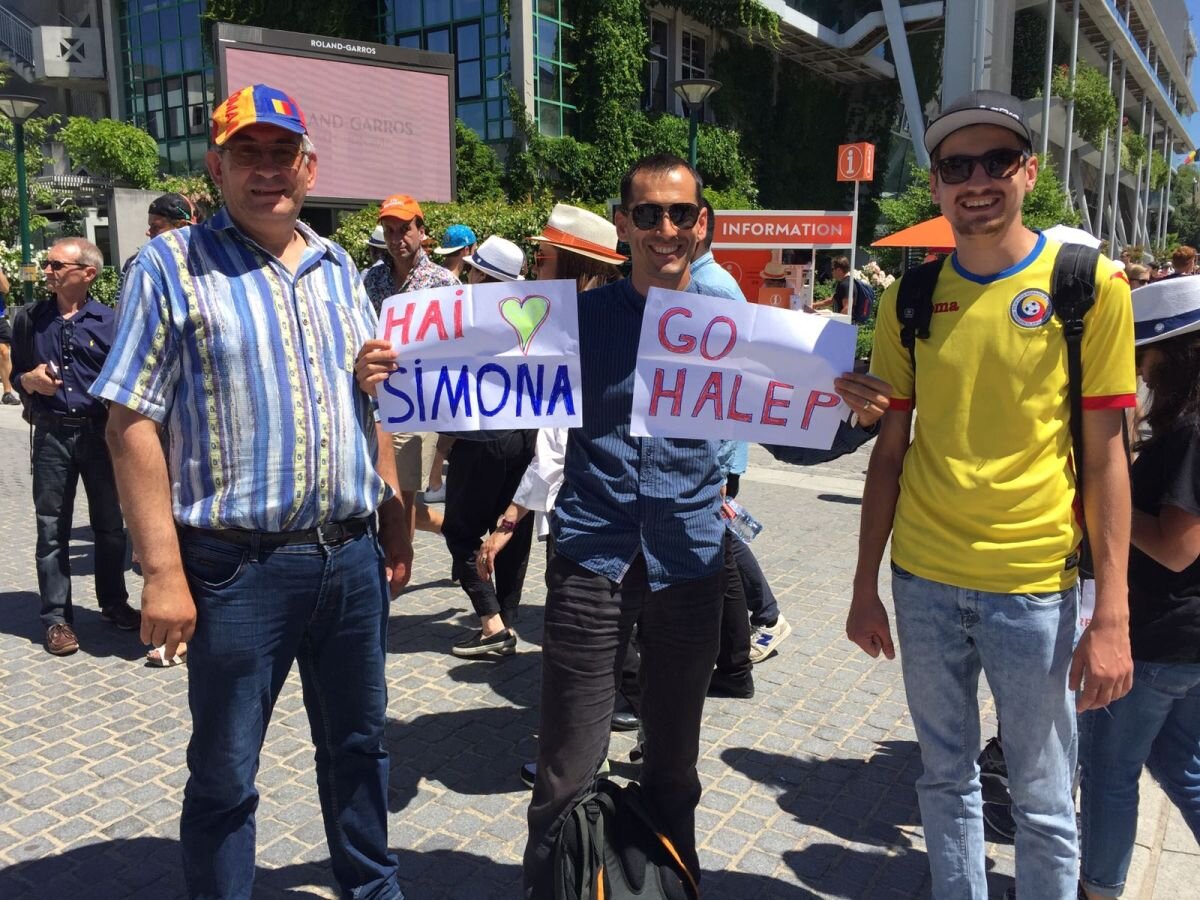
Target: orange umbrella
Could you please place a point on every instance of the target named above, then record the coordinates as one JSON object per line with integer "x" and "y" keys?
{"x": 934, "y": 234}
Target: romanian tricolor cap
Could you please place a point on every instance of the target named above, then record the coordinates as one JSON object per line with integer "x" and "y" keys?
{"x": 256, "y": 105}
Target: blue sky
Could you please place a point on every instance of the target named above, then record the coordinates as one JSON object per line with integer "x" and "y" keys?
{"x": 1193, "y": 121}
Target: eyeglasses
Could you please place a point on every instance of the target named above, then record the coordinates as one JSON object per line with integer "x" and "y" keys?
{"x": 1002, "y": 163}
{"x": 647, "y": 215}
{"x": 57, "y": 265}
{"x": 247, "y": 155}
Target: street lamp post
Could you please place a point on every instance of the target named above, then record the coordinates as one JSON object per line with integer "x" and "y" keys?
{"x": 693, "y": 92}
{"x": 20, "y": 110}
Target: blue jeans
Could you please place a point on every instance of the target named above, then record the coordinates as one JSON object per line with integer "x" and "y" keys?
{"x": 257, "y": 611}
{"x": 1156, "y": 724}
{"x": 1023, "y": 643}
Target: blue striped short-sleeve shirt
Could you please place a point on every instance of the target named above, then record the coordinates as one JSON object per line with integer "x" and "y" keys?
{"x": 251, "y": 370}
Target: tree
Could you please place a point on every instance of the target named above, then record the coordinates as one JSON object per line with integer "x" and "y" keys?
{"x": 36, "y": 131}
{"x": 477, "y": 170}
{"x": 111, "y": 149}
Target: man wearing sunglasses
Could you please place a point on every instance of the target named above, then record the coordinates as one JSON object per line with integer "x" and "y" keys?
{"x": 979, "y": 506}
{"x": 638, "y": 539}
{"x": 270, "y": 535}
{"x": 69, "y": 339}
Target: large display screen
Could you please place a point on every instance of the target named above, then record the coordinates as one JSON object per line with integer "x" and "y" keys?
{"x": 378, "y": 129}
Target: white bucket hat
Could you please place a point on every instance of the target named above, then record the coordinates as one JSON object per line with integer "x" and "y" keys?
{"x": 376, "y": 239}
{"x": 499, "y": 258}
{"x": 1166, "y": 309}
{"x": 582, "y": 232}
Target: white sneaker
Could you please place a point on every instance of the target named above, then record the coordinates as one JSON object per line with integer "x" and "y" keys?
{"x": 435, "y": 496}
{"x": 764, "y": 641}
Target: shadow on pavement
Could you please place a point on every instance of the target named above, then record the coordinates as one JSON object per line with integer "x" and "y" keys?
{"x": 148, "y": 866}
{"x": 871, "y": 801}
{"x": 98, "y": 638}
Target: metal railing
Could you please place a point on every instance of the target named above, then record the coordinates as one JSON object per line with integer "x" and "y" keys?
{"x": 16, "y": 33}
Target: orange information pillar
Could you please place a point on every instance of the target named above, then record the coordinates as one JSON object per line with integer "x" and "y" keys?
{"x": 855, "y": 162}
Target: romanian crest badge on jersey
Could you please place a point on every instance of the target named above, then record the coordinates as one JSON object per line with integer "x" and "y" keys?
{"x": 1031, "y": 308}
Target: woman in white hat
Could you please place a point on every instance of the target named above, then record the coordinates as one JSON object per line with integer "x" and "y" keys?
{"x": 496, "y": 259}
{"x": 578, "y": 245}
{"x": 1157, "y": 723}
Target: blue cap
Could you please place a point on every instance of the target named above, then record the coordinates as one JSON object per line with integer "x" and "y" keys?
{"x": 456, "y": 237}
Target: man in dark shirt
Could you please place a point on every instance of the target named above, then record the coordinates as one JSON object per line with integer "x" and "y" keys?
{"x": 638, "y": 539}
{"x": 72, "y": 334}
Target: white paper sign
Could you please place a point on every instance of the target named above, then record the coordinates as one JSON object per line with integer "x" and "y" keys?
{"x": 480, "y": 357}
{"x": 709, "y": 368}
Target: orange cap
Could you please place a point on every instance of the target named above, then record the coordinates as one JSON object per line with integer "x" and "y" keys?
{"x": 400, "y": 206}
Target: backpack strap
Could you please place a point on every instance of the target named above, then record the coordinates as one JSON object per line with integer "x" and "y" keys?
{"x": 914, "y": 305}
{"x": 1072, "y": 294}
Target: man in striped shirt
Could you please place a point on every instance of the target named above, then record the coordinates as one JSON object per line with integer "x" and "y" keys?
{"x": 257, "y": 528}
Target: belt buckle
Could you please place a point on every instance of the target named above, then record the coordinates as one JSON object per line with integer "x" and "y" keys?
{"x": 328, "y": 535}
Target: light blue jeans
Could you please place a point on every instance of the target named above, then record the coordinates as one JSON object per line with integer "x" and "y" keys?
{"x": 1023, "y": 644}
{"x": 1157, "y": 724}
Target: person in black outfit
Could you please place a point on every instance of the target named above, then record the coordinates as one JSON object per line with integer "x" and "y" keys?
{"x": 1157, "y": 724}
{"x": 485, "y": 469}
{"x": 70, "y": 336}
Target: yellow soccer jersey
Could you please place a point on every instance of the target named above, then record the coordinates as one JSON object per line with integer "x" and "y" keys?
{"x": 987, "y": 489}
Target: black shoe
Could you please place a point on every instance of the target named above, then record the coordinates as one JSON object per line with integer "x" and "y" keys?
{"x": 722, "y": 685}
{"x": 123, "y": 616}
{"x": 11, "y": 399}
{"x": 502, "y": 643}
{"x": 625, "y": 720}
{"x": 529, "y": 774}
{"x": 993, "y": 773}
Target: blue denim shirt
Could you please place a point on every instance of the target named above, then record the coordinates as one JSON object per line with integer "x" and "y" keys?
{"x": 626, "y": 495}
{"x": 78, "y": 346}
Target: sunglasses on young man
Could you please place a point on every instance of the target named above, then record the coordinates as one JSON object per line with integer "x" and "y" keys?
{"x": 998, "y": 164}
{"x": 647, "y": 215}
{"x": 247, "y": 155}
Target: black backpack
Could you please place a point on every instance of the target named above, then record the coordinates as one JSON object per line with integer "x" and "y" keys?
{"x": 1072, "y": 294}
{"x": 23, "y": 355}
{"x": 611, "y": 849}
{"x": 864, "y": 302}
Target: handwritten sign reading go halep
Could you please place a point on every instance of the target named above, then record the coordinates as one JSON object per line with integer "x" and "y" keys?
{"x": 480, "y": 357}
{"x": 709, "y": 368}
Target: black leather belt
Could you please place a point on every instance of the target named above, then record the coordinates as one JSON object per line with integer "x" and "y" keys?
{"x": 326, "y": 535}
{"x": 41, "y": 420}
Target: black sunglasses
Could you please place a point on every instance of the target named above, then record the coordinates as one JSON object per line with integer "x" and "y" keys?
{"x": 647, "y": 215}
{"x": 57, "y": 265}
{"x": 1002, "y": 163}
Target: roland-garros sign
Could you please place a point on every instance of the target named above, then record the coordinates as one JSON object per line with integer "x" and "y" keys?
{"x": 763, "y": 229}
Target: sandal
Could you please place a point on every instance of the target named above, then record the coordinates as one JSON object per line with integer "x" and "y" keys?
{"x": 154, "y": 657}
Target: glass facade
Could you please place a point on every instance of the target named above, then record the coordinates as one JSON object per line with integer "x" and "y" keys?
{"x": 168, "y": 78}
{"x": 552, "y": 42}
{"x": 477, "y": 34}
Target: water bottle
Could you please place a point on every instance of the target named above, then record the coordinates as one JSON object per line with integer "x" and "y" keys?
{"x": 744, "y": 525}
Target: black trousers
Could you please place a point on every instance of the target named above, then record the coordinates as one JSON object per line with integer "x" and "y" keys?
{"x": 733, "y": 658}
{"x": 760, "y": 600}
{"x": 588, "y": 622}
{"x": 61, "y": 457}
{"x": 480, "y": 483}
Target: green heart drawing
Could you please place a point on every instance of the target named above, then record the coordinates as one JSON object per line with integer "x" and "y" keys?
{"x": 526, "y": 316}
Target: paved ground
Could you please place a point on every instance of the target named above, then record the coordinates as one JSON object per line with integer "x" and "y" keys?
{"x": 808, "y": 787}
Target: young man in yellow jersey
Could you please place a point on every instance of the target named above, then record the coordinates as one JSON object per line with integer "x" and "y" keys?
{"x": 985, "y": 540}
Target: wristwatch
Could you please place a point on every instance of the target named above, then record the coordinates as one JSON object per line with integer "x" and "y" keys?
{"x": 506, "y": 526}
